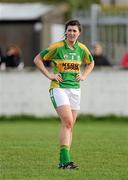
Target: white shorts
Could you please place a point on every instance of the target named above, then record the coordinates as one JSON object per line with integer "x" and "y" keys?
{"x": 66, "y": 96}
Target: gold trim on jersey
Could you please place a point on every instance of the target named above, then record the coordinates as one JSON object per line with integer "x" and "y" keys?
{"x": 51, "y": 50}
{"x": 55, "y": 45}
{"x": 86, "y": 60}
{"x": 54, "y": 84}
{"x": 48, "y": 55}
{"x": 84, "y": 47}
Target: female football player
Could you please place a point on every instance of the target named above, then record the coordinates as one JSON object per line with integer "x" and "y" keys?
{"x": 66, "y": 57}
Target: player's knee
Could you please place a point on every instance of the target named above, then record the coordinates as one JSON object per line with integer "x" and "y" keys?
{"x": 68, "y": 123}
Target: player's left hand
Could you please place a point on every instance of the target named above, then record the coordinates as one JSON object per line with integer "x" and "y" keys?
{"x": 79, "y": 77}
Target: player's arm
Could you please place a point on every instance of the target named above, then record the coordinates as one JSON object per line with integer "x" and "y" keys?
{"x": 89, "y": 62}
{"x": 87, "y": 70}
{"x": 40, "y": 65}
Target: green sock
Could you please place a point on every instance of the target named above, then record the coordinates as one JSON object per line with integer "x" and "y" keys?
{"x": 64, "y": 155}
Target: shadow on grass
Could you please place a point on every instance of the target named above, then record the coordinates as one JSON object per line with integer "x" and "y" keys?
{"x": 105, "y": 118}
{"x": 30, "y": 118}
{"x": 82, "y": 118}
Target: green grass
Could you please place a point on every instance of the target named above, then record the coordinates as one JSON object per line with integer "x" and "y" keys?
{"x": 29, "y": 149}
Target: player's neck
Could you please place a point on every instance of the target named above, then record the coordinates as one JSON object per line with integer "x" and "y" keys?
{"x": 70, "y": 44}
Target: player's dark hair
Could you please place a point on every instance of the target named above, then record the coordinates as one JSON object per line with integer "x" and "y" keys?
{"x": 73, "y": 23}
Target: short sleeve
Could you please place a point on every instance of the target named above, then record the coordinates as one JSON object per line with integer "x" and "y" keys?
{"x": 48, "y": 54}
{"x": 88, "y": 58}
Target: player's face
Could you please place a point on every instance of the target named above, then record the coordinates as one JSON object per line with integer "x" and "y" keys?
{"x": 72, "y": 33}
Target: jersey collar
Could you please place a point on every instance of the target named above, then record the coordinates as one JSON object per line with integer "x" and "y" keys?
{"x": 74, "y": 46}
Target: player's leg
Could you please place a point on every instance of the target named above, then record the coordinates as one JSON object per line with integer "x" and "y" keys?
{"x": 61, "y": 103}
{"x": 66, "y": 117}
{"x": 74, "y": 115}
{"x": 75, "y": 105}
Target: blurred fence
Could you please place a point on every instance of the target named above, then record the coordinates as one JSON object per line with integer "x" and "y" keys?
{"x": 104, "y": 92}
{"x": 109, "y": 28}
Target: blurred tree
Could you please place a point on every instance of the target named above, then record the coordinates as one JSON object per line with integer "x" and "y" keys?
{"x": 81, "y": 4}
{"x": 74, "y": 4}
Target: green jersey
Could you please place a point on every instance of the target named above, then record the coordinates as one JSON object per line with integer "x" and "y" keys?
{"x": 66, "y": 62}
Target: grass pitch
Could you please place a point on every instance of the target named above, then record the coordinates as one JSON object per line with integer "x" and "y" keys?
{"x": 29, "y": 149}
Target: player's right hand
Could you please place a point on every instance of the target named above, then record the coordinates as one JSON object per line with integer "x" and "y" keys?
{"x": 56, "y": 77}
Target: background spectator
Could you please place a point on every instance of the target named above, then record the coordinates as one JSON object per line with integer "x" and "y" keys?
{"x": 13, "y": 57}
{"x": 124, "y": 61}
{"x": 2, "y": 60}
{"x": 99, "y": 58}
{"x": 1, "y": 55}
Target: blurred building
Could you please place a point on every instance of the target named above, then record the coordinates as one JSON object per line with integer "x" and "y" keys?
{"x": 107, "y": 25}
{"x": 115, "y": 2}
{"x": 29, "y": 26}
